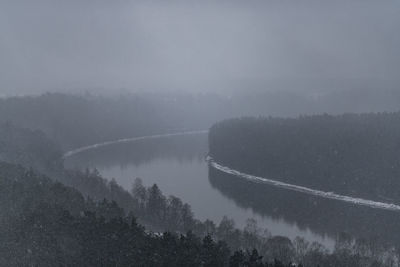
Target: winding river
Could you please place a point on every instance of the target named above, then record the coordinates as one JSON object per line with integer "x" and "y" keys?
{"x": 176, "y": 162}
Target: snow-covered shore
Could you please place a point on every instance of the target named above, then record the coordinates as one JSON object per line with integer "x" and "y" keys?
{"x": 302, "y": 189}
{"x": 133, "y": 139}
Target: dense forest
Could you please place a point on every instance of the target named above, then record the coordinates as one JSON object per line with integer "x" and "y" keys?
{"x": 351, "y": 154}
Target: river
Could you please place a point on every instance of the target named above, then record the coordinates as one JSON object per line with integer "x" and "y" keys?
{"x": 177, "y": 165}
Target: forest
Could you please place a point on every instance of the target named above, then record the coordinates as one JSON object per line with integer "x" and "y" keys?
{"x": 53, "y": 215}
{"x": 351, "y": 154}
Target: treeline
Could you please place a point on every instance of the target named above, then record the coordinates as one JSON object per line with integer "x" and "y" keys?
{"x": 44, "y": 223}
{"x": 350, "y": 154}
{"x": 77, "y": 120}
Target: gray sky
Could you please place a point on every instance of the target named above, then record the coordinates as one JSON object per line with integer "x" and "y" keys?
{"x": 198, "y": 45}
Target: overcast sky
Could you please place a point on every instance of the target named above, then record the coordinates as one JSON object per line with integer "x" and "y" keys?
{"x": 198, "y": 45}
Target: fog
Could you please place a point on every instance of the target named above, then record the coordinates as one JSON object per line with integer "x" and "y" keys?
{"x": 198, "y": 46}
{"x": 199, "y": 133}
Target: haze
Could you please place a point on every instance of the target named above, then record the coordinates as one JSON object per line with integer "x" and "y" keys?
{"x": 200, "y": 133}
{"x": 198, "y": 46}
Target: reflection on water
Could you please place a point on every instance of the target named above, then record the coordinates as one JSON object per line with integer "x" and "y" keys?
{"x": 177, "y": 165}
